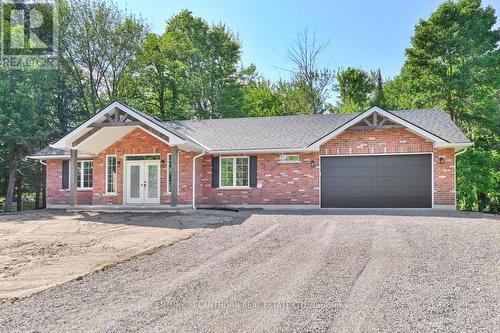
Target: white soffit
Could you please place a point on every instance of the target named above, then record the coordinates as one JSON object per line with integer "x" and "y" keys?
{"x": 104, "y": 138}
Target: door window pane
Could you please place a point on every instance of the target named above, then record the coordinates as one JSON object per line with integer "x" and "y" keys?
{"x": 152, "y": 181}
{"x": 135, "y": 181}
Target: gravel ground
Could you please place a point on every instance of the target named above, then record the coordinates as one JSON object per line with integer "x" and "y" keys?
{"x": 328, "y": 271}
{"x": 44, "y": 248}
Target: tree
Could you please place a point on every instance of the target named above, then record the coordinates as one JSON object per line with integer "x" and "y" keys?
{"x": 378, "y": 98}
{"x": 99, "y": 42}
{"x": 26, "y": 120}
{"x": 453, "y": 64}
{"x": 210, "y": 54}
{"x": 454, "y": 53}
{"x": 354, "y": 86}
{"x": 310, "y": 80}
{"x": 190, "y": 71}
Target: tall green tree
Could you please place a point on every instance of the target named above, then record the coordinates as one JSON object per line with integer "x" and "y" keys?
{"x": 191, "y": 70}
{"x": 26, "y": 118}
{"x": 378, "y": 97}
{"x": 99, "y": 42}
{"x": 453, "y": 64}
{"x": 355, "y": 87}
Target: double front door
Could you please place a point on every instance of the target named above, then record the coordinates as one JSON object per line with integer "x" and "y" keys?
{"x": 143, "y": 182}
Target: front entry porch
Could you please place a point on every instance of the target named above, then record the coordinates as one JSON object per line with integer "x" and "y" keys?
{"x": 130, "y": 160}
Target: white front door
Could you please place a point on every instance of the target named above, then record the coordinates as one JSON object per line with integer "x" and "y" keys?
{"x": 143, "y": 182}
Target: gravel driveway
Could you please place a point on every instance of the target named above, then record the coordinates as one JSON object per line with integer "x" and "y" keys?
{"x": 337, "y": 271}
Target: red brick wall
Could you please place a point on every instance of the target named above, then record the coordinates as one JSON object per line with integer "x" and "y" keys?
{"x": 140, "y": 142}
{"x": 286, "y": 183}
{"x": 55, "y": 193}
{"x": 444, "y": 177}
{"x": 379, "y": 141}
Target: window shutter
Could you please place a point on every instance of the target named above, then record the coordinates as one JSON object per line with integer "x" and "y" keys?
{"x": 215, "y": 171}
{"x": 65, "y": 175}
{"x": 253, "y": 171}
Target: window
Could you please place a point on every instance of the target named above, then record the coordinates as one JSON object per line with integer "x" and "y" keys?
{"x": 234, "y": 172}
{"x": 142, "y": 158}
{"x": 169, "y": 189}
{"x": 85, "y": 174}
{"x": 289, "y": 159}
{"x": 111, "y": 174}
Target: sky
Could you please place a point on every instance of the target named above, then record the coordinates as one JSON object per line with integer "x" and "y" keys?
{"x": 365, "y": 34}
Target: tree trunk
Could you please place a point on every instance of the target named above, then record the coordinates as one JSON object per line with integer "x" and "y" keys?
{"x": 161, "y": 100}
{"x": 19, "y": 192}
{"x": 7, "y": 207}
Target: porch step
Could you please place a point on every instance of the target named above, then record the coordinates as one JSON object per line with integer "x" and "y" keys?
{"x": 129, "y": 208}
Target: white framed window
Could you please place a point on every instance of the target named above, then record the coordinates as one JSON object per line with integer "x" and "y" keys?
{"x": 111, "y": 169}
{"x": 234, "y": 172}
{"x": 293, "y": 158}
{"x": 85, "y": 175}
{"x": 169, "y": 172}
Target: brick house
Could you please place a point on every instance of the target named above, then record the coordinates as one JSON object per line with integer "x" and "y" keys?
{"x": 374, "y": 158}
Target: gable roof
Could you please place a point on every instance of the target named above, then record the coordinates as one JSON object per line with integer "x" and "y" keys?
{"x": 300, "y": 132}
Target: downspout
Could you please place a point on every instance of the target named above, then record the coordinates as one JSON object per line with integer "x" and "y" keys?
{"x": 194, "y": 177}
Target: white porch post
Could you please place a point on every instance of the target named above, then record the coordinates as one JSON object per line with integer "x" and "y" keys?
{"x": 73, "y": 169}
{"x": 175, "y": 175}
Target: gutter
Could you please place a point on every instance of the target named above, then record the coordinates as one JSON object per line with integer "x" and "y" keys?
{"x": 194, "y": 177}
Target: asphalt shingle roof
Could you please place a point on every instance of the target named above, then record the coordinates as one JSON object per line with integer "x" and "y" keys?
{"x": 299, "y": 131}
{"x": 285, "y": 132}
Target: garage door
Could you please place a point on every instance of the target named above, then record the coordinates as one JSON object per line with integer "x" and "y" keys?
{"x": 397, "y": 181}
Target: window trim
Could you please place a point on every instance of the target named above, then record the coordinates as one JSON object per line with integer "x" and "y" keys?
{"x": 178, "y": 173}
{"x": 107, "y": 175}
{"x": 234, "y": 187}
{"x": 79, "y": 186}
{"x": 282, "y": 161}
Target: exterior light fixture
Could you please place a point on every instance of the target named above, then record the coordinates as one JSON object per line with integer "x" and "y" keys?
{"x": 441, "y": 159}
{"x": 313, "y": 164}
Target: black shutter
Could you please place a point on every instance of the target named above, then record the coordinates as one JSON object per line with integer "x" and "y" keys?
{"x": 65, "y": 175}
{"x": 253, "y": 171}
{"x": 215, "y": 171}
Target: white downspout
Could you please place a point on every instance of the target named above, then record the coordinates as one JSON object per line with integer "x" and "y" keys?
{"x": 194, "y": 177}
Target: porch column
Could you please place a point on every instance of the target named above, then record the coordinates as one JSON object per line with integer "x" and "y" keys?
{"x": 73, "y": 169}
{"x": 175, "y": 175}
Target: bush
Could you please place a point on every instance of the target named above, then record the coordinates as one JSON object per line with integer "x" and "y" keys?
{"x": 478, "y": 180}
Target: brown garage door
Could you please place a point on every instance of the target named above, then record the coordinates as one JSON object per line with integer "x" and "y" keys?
{"x": 394, "y": 181}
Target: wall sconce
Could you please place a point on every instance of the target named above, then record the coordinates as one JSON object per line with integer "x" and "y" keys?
{"x": 441, "y": 159}
{"x": 162, "y": 162}
{"x": 119, "y": 162}
{"x": 313, "y": 164}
